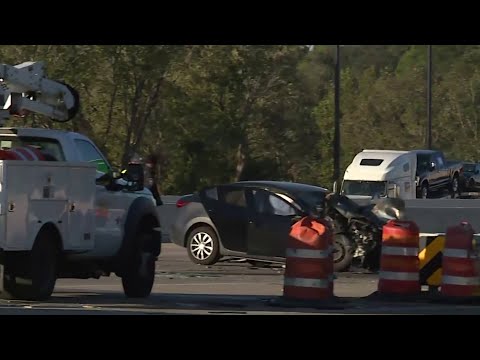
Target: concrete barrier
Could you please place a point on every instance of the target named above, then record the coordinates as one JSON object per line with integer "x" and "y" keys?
{"x": 431, "y": 215}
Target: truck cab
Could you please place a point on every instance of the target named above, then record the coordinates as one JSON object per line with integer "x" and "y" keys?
{"x": 435, "y": 173}
{"x": 380, "y": 173}
{"x": 63, "y": 210}
{"x": 119, "y": 233}
{"x": 400, "y": 174}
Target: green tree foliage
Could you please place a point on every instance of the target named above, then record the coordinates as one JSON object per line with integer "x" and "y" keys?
{"x": 218, "y": 113}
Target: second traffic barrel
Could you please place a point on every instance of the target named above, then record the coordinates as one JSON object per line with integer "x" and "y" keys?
{"x": 309, "y": 261}
{"x": 399, "y": 263}
{"x": 460, "y": 275}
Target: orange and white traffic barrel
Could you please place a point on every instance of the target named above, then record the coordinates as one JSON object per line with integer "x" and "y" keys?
{"x": 399, "y": 262}
{"x": 460, "y": 275}
{"x": 309, "y": 261}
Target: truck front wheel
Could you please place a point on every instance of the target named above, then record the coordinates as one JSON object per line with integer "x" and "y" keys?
{"x": 139, "y": 274}
{"x": 424, "y": 191}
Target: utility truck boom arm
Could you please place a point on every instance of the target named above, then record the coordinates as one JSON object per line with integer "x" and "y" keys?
{"x": 24, "y": 88}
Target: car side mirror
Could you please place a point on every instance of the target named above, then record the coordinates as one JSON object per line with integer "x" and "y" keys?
{"x": 432, "y": 166}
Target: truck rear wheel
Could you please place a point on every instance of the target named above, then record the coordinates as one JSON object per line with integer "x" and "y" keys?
{"x": 455, "y": 187}
{"x": 139, "y": 274}
{"x": 31, "y": 275}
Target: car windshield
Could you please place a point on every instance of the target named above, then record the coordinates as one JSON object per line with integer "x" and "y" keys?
{"x": 367, "y": 188}
{"x": 311, "y": 198}
{"x": 469, "y": 167}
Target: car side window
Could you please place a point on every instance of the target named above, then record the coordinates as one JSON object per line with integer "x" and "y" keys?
{"x": 271, "y": 204}
{"x": 211, "y": 193}
{"x": 235, "y": 197}
{"x": 88, "y": 153}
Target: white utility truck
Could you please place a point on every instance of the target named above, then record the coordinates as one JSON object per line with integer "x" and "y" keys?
{"x": 72, "y": 216}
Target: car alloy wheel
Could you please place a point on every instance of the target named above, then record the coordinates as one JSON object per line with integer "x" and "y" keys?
{"x": 201, "y": 246}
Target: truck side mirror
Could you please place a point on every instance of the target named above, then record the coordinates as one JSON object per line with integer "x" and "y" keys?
{"x": 135, "y": 176}
{"x": 334, "y": 187}
{"x": 104, "y": 179}
{"x": 432, "y": 166}
{"x": 115, "y": 173}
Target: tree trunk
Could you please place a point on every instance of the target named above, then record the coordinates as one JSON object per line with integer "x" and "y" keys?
{"x": 241, "y": 162}
{"x": 110, "y": 115}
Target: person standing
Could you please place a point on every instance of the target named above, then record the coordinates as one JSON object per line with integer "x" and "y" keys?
{"x": 151, "y": 177}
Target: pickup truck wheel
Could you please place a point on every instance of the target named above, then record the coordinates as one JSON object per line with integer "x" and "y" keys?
{"x": 31, "y": 275}
{"x": 139, "y": 274}
{"x": 424, "y": 191}
{"x": 454, "y": 187}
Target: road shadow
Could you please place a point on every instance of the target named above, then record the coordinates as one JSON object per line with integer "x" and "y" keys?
{"x": 158, "y": 304}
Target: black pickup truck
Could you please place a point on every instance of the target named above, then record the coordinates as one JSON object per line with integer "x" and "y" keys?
{"x": 435, "y": 174}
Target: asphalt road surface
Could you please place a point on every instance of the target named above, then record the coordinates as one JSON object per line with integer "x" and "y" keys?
{"x": 182, "y": 287}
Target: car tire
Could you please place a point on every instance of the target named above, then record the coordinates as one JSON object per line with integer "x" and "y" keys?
{"x": 203, "y": 247}
{"x": 342, "y": 253}
{"x": 371, "y": 261}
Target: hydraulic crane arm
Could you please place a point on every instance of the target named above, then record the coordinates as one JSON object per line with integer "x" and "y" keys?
{"x": 24, "y": 88}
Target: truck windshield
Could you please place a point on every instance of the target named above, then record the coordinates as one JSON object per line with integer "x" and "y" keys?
{"x": 367, "y": 188}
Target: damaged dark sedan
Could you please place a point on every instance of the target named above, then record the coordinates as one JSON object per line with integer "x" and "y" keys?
{"x": 252, "y": 220}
